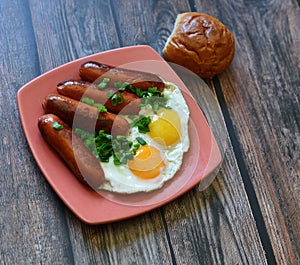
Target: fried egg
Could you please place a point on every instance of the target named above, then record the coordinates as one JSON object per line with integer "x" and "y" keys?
{"x": 157, "y": 161}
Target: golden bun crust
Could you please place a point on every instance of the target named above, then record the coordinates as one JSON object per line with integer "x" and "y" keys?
{"x": 200, "y": 43}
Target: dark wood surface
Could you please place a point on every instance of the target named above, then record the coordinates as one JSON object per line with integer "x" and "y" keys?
{"x": 250, "y": 214}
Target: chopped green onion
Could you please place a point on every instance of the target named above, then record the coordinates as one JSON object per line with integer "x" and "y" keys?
{"x": 57, "y": 126}
{"x": 117, "y": 99}
{"x": 152, "y": 89}
{"x": 88, "y": 101}
{"x": 152, "y": 96}
{"x": 109, "y": 93}
{"x": 142, "y": 123}
{"x": 120, "y": 137}
{"x": 118, "y": 84}
{"x": 91, "y": 102}
{"x": 155, "y": 107}
{"x": 135, "y": 148}
{"x": 141, "y": 140}
{"x": 104, "y": 83}
{"x": 120, "y": 98}
{"x": 121, "y": 149}
{"x": 114, "y": 100}
{"x": 100, "y": 107}
{"x": 104, "y": 146}
{"x": 155, "y": 102}
{"x": 121, "y": 85}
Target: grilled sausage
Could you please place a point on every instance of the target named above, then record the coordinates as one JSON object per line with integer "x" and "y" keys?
{"x": 129, "y": 103}
{"x": 91, "y": 71}
{"x": 70, "y": 147}
{"x": 81, "y": 115}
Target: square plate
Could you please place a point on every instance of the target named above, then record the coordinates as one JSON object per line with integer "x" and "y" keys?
{"x": 199, "y": 162}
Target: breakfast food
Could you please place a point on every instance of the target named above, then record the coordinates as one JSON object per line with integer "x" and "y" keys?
{"x": 91, "y": 71}
{"x": 79, "y": 89}
{"x": 200, "y": 43}
{"x": 137, "y": 150}
{"x": 161, "y": 157}
{"x": 69, "y": 146}
{"x": 86, "y": 117}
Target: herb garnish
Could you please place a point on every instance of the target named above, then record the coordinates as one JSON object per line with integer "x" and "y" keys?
{"x": 57, "y": 126}
{"x": 121, "y": 85}
{"x": 152, "y": 96}
{"x": 91, "y": 102}
{"x": 155, "y": 102}
{"x": 104, "y": 145}
{"x": 141, "y": 140}
{"x": 142, "y": 123}
{"x": 116, "y": 98}
{"x": 104, "y": 83}
{"x": 109, "y": 93}
{"x": 121, "y": 150}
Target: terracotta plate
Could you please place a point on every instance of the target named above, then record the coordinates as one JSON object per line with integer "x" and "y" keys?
{"x": 91, "y": 207}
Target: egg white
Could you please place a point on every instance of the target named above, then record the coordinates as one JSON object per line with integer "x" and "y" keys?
{"x": 120, "y": 179}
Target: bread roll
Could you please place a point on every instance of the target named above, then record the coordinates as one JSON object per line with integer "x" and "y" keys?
{"x": 200, "y": 43}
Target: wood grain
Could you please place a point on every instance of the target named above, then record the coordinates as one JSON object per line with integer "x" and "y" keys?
{"x": 146, "y": 22}
{"x": 140, "y": 244}
{"x": 121, "y": 243}
{"x": 195, "y": 218}
{"x": 140, "y": 240}
{"x": 29, "y": 212}
{"x": 258, "y": 185}
{"x": 76, "y": 28}
{"x": 261, "y": 91}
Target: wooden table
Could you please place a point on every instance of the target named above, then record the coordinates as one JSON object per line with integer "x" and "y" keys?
{"x": 249, "y": 215}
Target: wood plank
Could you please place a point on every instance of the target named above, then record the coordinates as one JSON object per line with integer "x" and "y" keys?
{"x": 218, "y": 209}
{"x": 212, "y": 218}
{"x": 80, "y": 28}
{"x": 29, "y": 212}
{"x": 265, "y": 112}
{"x": 139, "y": 240}
{"x": 146, "y": 22}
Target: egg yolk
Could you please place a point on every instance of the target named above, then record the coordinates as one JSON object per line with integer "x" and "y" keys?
{"x": 166, "y": 130}
{"x": 147, "y": 162}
